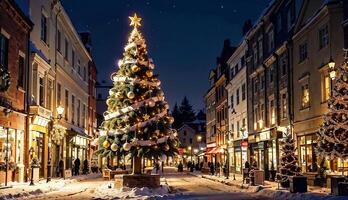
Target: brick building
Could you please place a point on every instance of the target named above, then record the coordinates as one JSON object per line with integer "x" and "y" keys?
{"x": 14, "y": 36}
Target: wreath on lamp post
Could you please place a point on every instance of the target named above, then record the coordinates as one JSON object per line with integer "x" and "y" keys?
{"x": 5, "y": 79}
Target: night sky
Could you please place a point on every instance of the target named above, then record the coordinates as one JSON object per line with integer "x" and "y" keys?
{"x": 184, "y": 37}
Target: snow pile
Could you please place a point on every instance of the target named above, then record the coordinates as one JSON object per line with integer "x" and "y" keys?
{"x": 286, "y": 195}
{"x": 24, "y": 190}
{"x": 107, "y": 191}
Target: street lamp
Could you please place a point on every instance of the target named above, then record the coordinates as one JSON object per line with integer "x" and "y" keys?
{"x": 60, "y": 111}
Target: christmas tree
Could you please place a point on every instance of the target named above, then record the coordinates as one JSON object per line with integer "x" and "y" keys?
{"x": 288, "y": 161}
{"x": 136, "y": 122}
{"x": 333, "y": 135}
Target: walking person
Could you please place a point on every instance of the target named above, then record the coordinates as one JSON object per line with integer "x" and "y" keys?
{"x": 77, "y": 166}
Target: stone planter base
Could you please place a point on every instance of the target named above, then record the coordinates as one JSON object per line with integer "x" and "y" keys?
{"x": 137, "y": 180}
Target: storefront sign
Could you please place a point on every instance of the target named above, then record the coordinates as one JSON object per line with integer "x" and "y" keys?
{"x": 211, "y": 145}
{"x": 261, "y": 145}
{"x": 266, "y": 135}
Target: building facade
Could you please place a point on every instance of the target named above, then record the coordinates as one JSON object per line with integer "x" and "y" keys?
{"x": 237, "y": 109}
{"x": 15, "y": 29}
{"x": 59, "y": 78}
{"x": 319, "y": 38}
{"x": 210, "y": 103}
{"x": 219, "y": 152}
{"x": 269, "y": 72}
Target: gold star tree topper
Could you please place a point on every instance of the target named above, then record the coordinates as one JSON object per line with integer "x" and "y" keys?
{"x": 135, "y": 21}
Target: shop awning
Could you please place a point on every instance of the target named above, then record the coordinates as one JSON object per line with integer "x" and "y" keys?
{"x": 72, "y": 133}
{"x": 211, "y": 151}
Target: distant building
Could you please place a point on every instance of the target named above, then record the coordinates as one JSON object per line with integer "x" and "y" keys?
{"x": 219, "y": 126}
{"x": 192, "y": 140}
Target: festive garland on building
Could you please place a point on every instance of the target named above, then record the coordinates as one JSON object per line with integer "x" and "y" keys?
{"x": 5, "y": 79}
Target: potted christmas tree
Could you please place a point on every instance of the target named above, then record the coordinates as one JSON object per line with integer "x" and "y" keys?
{"x": 333, "y": 135}
{"x": 289, "y": 170}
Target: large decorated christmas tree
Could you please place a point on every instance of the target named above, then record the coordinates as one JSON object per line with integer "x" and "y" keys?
{"x": 333, "y": 135}
{"x": 136, "y": 122}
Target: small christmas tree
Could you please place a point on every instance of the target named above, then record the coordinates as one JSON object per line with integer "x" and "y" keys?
{"x": 288, "y": 161}
{"x": 333, "y": 135}
{"x": 137, "y": 121}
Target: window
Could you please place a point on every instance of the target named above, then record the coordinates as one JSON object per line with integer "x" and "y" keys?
{"x": 78, "y": 112}
{"x": 270, "y": 40}
{"x": 59, "y": 41}
{"x": 327, "y": 88}
{"x": 66, "y": 49}
{"x": 3, "y": 52}
{"x": 59, "y": 94}
{"x": 73, "y": 58}
{"x": 243, "y": 91}
{"x": 66, "y": 105}
{"x": 271, "y": 73}
{"x": 49, "y": 94}
{"x": 79, "y": 67}
{"x": 238, "y": 129}
{"x": 262, "y": 114}
{"x": 21, "y": 64}
{"x": 236, "y": 69}
{"x": 323, "y": 36}
{"x": 305, "y": 96}
{"x": 237, "y": 96}
{"x": 303, "y": 51}
{"x": 256, "y": 85}
{"x": 190, "y": 140}
{"x": 260, "y": 41}
{"x": 242, "y": 61}
{"x": 272, "y": 112}
{"x": 232, "y": 72}
{"x": 255, "y": 54}
{"x": 185, "y": 133}
{"x": 41, "y": 91}
{"x": 44, "y": 28}
{"x": 262, "y": 81}
{"x": 283, "y": 63}
{"x": 284, "y": 104}
{"x": 232, "y": 101}
{"x": 83, "y": 116}
{"x": 84, "y": 74}
{"x": 255, "y": 117}
{"x": 73, "y": 109}
{"x": 232, "y": 129}
{"x": 279, "y": 23}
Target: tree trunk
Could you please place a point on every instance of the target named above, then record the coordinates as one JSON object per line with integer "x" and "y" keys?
{"x": 136, "y": 165}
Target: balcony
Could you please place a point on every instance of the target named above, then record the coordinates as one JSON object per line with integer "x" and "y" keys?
{"x": 40, "y": 111}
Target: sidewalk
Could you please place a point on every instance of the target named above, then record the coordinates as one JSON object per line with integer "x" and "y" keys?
{"x": 270, "y": 189}
{"x": 24, "y": 190}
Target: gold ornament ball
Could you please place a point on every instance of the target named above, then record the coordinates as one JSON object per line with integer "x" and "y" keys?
{"x": 127, "y": 146}
{"x": 151, "y": 103}
{"x": 149, "y": 73}
{"x": 130, "y": 95}
{"x": 135, "y": 68}
{"x": 170, "y": 120}
{"x": 160, "y": 94}
{"x": 114, "y": 147}
{"x": 106, "y": 144}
